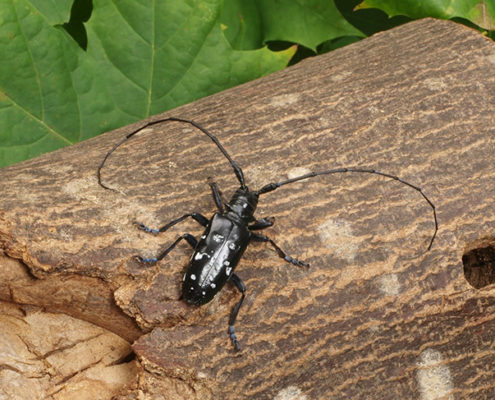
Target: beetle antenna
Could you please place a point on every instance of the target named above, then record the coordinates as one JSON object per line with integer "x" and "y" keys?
{"x": 238, "y": 171}
{"x": 272, "y": 186}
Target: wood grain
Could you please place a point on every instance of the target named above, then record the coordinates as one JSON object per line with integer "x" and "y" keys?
{"x": 375, "y": 316}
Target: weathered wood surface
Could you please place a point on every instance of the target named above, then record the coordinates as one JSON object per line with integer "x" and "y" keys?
{"x": 375, "y": 316}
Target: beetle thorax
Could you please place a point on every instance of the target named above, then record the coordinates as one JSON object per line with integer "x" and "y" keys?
{"x": 243, "y": 204}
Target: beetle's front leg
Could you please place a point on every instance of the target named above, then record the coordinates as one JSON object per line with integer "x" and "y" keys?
{"x": 262, "y": 223}
{"x": 189, "y": 239}
{"x": 262, "y": 238}
{"x": 196, "y": 216}
{"x": 217, "y": 196}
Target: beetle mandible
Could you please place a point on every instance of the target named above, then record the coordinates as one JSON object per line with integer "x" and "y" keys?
{"x": 228, "y": 233}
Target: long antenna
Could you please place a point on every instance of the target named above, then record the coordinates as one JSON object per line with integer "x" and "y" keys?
{"x": 238, "y": 171}
{"x": 272, "y": 186}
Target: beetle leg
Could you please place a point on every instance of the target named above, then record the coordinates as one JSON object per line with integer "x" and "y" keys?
{"x": 189, "y": 239}
{"x": 216, "y": 194}
{"x": 262, "y": 238}
{"x": 196, "y": 216}
{"x": 242, "y": 288}
{"x": 262, "y": 223}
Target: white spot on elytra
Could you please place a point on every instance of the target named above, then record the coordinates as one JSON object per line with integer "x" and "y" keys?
{"x": 232, "y": 246}
{"x": 203, "y": 237}
{"x": 290, "y": 393}
{"x": 338, "y": 236}
{"x": 203, "y": 292}
{"x": 198, "y": 256}
{"x": 298, "y": 171}
{"x": 226, "y": 263}
{"x": 213, "y": 286}
{"x": 218, "y": 238}
{"x": 228, "y": 270}
{"x": 184, "y": 278}
{"x": 434, "y": 378}
{"x": 193, "y": 277}
{"x": 389, "y": 284}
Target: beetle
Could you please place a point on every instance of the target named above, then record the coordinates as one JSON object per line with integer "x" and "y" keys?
{"x": 230, "y": 230}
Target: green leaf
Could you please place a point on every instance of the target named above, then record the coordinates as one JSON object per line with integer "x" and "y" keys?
{"x": 368, "y": 20}
{"x": 55, "y": 11}
{"x": 305, "y": 22}
{"x": 34, "y": 65}
{"x": 480, "y": 12}
{"x": 337, "y": 43}
{"x": 242, "y": 24}
{"x": 143, "y": 57}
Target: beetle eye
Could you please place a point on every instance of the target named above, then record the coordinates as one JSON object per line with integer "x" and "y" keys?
{"x": 218, "y": 238}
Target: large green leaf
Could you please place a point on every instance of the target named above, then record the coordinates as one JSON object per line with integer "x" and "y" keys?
{"x": 55, "y": 11}
{"x": 34, "y": 66}
{"x": 480, "y": 12}
{"x": 250, "y": 24}
{"x": 143, "y": 57}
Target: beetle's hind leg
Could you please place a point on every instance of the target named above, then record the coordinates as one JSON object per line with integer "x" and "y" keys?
{"x": 186, "y": 236}
{"x": 242, "y": 288}
{"x": 262, "y": 238}
{"x": 196, "y": 216}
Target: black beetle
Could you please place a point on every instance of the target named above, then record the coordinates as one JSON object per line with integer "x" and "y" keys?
{"x": 230, "y": 230}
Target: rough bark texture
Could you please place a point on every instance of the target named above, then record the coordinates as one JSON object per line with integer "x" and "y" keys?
{"x": 375, "y": 316}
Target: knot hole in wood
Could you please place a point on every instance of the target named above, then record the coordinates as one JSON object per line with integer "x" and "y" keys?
{"x": 479, "y": 266}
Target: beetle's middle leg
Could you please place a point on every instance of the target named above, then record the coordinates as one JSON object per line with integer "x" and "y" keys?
{"x": 186, "y": 236}
{"x": 196, "y": 216}
{"x": 262, "y": 238}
